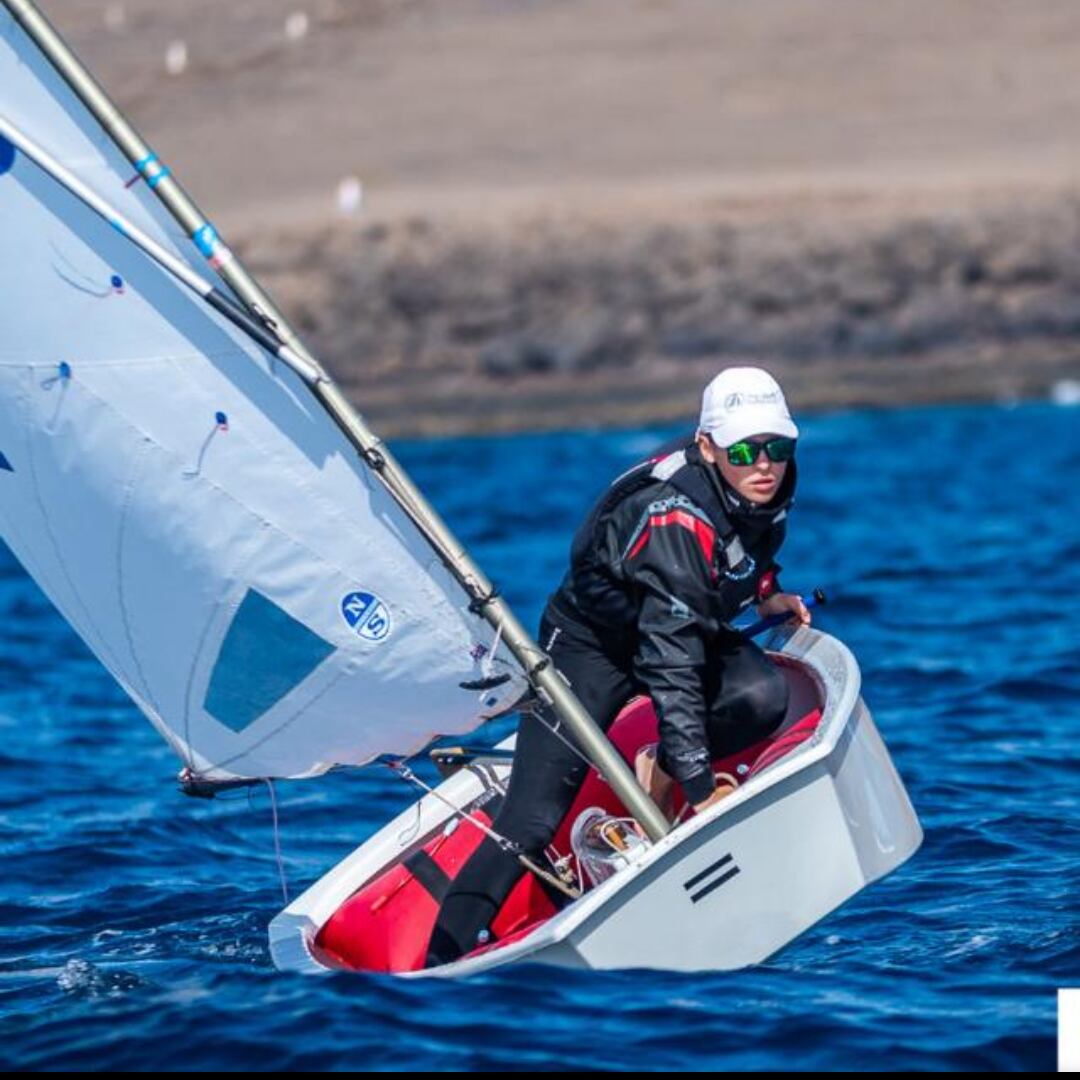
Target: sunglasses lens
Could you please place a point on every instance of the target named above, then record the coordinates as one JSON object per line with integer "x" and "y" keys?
{"x": 742, "y": 453}
{"x": 780, "y": 449}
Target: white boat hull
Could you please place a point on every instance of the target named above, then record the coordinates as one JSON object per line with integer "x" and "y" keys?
{"x": 725, "y": 890}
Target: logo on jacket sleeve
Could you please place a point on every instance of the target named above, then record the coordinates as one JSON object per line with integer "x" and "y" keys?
{"x": 767, "y": 586}
{"x": 368, "y": 616}
{"x": 739, "y": 565}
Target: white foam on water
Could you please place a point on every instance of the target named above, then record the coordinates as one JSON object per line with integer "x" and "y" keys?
{"x": 80, "y": 975}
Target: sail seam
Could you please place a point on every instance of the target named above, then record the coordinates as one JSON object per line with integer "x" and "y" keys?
{"x": 231, "y": 600}
{"x": 91, "y": 625}
{"x": 22, "y": 404}
{"x": 125, "y": 617}
{"x": 225, "y": 762}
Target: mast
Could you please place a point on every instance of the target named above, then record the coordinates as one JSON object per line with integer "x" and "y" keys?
{"x": 372, "y": 450}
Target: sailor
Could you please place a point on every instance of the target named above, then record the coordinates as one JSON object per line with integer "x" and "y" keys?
{"x": 672, "y": 552}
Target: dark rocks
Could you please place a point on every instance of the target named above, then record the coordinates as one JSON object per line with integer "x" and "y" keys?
{"x": 549, "y": 300}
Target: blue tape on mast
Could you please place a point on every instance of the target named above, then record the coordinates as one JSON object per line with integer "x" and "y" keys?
{"x": 151, "y": 167}
{"x": 163, "y": 174}
{"x": 206, "y": 239}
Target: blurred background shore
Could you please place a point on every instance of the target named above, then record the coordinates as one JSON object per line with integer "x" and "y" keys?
{"x": 491, "y": 215}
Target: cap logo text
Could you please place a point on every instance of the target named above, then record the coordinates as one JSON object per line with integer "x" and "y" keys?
{"x": 737, "y": 401}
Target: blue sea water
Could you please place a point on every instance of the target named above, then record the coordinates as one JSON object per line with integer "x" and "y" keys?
{"x": 133, "y": 920}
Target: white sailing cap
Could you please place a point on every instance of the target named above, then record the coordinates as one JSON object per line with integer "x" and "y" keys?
{"x": 744, "y": 401}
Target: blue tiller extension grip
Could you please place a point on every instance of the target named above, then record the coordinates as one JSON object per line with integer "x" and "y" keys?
{"x": 762, "y": 625}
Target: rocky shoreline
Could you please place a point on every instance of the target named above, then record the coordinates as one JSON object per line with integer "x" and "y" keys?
{"x": 437, "y": 327}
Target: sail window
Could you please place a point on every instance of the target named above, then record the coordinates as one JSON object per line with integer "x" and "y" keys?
{"x": 265, "y": 654}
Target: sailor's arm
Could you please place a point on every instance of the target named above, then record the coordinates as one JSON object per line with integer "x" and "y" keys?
{"x": 674, "y": 577}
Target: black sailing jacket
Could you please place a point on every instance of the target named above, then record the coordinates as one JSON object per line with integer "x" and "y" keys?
{"x": 666, "y": 558}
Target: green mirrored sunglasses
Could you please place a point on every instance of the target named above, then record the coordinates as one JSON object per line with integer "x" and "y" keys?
{"x": 746, "y": 451}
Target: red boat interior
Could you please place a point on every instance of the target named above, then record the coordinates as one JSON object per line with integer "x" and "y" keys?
{"x": 385, "y": 925}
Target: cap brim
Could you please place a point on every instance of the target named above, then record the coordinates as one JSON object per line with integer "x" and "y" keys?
{"x": 755, "y": 422}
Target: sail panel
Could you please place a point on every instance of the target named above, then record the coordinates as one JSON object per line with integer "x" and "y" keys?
{"x": 195, "y": 514}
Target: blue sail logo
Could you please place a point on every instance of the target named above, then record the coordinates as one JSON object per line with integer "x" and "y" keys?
{"x": 5, "y": 465}
{"x": 367, "y": 615}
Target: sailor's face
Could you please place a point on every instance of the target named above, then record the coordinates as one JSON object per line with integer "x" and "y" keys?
{"x": 758, "y": 482}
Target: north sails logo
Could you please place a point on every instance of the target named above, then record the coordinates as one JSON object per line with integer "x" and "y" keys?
{"x": 711, "y": 878}
{"x": 367, "y": 615}
{"x": 737, "y": 401}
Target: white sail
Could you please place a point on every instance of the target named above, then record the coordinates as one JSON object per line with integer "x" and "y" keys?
{"x": 187, "y": 504}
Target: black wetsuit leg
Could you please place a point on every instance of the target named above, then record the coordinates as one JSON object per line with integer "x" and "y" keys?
{"x": 748, "y": 695}
{"x": 545, "y": 780}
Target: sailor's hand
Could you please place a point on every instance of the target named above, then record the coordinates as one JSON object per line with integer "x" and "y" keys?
{"x": 782, "y": 602}
{"x": 725, "y": 785}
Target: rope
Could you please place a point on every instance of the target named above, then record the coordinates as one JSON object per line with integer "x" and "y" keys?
{"x": 399, "y": 768}
{"x": 538, "y": 713}
{"x": 277, "y": 840}
{"x": 487, "y": 665}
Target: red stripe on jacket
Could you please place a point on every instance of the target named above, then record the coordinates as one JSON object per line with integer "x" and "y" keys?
{"x": 703, "y": 532}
